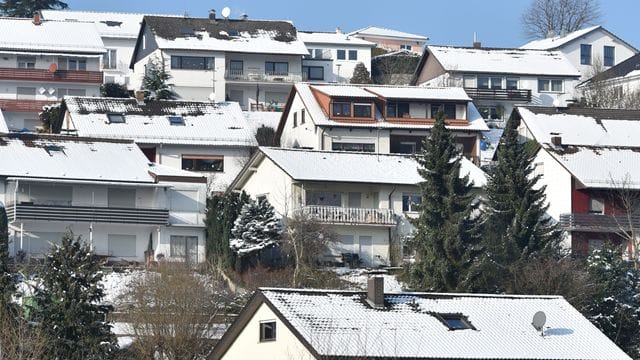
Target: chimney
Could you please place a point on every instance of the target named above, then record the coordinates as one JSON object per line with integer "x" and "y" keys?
{"x": 37, "y": 20}
{"x": 556, "y": 140}
{"x": 338, "y": 30}
{"x": 212, "y": 15}
{"x": 140, "y": 97}
{"x": 375, "y": 292}
{"x": 244, "y": 17}
{"x": 477, "y": 45}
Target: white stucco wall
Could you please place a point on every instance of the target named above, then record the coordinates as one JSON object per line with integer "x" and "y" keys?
{"x": 269, "y": 180}
{"x": 339, "y": 71}
{"x": 124, "y": 51}
{"x": 304, "y": 135}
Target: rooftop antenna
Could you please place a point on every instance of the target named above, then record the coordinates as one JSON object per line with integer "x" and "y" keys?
{"x": 539, "y": 319}
{"x": 226, "y": 11}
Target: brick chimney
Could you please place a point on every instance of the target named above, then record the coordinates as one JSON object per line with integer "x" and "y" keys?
{"x": 140, "y": 97}
{"x": 37, "y": 20}
{"x": 375, "y": 292}
{"x": 477, "y": 45}
{"x": 556, "y": 140}
{"x": 212, "y": 15}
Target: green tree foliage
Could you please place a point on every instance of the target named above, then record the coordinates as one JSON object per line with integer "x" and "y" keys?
{"x": 516, "y": 227}
{"x": 69, "y": 307}
{"x": 222, "y": 211}
{"x": 361, "y": 74}
{"x": 258, "y": 227}
{"x": 155, "y": 81}
{"x": 615, "y": 308}
{"x": 114, "y": 90}
{"x": 7, "y": 278}
{"x": 26, "y": 8}
{"x": 51, "y": 117}
{"x": 446, "y": 237}
{"x": 266, "y": 136}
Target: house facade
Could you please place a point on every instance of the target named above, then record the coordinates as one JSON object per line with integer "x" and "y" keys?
{"x": 103, "y": 190}
{"x": 499, "y": 79}
{"x": 390, "y": 39}
{"x": 617, "y": 82}
{"x": 213, "y": 139}
{"x": 332, "y": 324}
{"x": 248, "y": 61}
{"x": 333, "y": 56}
{"x": 365, "y": 198}
{"x": 588, "y": 164}
{"x": 589, "y": 50}
{"x": 376, "y": 119}
{"x": 43, "y": 61}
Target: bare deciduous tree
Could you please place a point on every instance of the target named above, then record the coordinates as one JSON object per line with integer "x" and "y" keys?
{"x": 600, "y": 92}
{"x": 545, "y": 17}
{"x": 627, "y": 202}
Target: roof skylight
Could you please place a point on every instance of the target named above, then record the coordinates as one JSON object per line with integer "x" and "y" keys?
{"x": 116, "y": 118}
{"x": 455, "y": 321}
{"x": 176, "y": 120}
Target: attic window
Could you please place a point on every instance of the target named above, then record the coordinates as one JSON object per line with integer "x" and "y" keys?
{"x": 455, "y": 321}
{"x": 54, "y": 149}
{"x": 267, "y": 331}
{"x": 176, "y": 120}
{"x": 116, "y": 118}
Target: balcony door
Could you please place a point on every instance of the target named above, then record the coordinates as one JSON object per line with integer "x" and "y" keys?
{"x": 184, "y": 248}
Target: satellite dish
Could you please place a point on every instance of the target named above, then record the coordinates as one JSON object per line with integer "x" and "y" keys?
{"x": 226, "y": 12}
{"x": 53, "y": 67}
{"x": 539, "y": 319}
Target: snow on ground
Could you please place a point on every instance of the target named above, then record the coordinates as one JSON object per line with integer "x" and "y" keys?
{"x": 358, "y": 277}
{"x": 116, "y": 284}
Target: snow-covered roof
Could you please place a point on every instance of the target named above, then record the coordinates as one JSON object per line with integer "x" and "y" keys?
{"x": 67, "y": 158}
{"x": 3, "y": 124}
{"x": 420, "y": 93}
{"x": 362, "y": 167}
{"x": 263, "y": 118}
{"x": 345, "y": 91}
{"x": 476, "y": 122}
{"x": 624, "y": 71}
{"x": 242, "y": 36}
{"x": 332, "y": 38}
{"x": 583, "y": 126}
{"x": 375, "y": 31}
{"x": 162, "y": 172}
{"x": 20, "y": 34}
{"x": 108, "y": 24}
{"x": 555, "y": 42}
{"x": 503, "y": 61}
{"x": 342, "y": 324}
{"x": 203, "y": 123}
{"x": 492, "y": 139}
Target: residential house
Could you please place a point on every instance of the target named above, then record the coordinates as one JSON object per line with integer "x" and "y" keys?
{"x": 333, "y": 56}
{"x": 333, "y": 324}
{"x": 378, "y": 119}
{"x": 118, "y": 31}
{"x": 588, "y": 160}
{"x": 499, "y": 79}
{"x": 213, "y": 139}
{"x": 390, "y": 39}
{"x": 103, "y": 190}
{"x": 622, "y": 79}
{"x": 253, "y": 62}
{"x": 42, "y": 61}
{"x": 366, "y": 198}
{"x": 590, "y": 49}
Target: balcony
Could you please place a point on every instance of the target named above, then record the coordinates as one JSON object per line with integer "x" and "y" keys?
{"x": 521, "y": 95}
{"x": 266, "y": 77}
{"x": 30, "y": 211}
{"x": 598, "y": 222}
{"x": 24, "y": 105}
{"x": 349, "y": 216}
{"x": 74, "y": 76}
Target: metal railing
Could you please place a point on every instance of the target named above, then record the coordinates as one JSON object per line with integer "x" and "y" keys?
{"x": 283, "y": 77}
{"x": 598, "y": 222}
{"x": 499, "y": 94}
{"x": 93, "y": 77}
{"x": 29, "y": 211}
{"x": 342, "y": 215}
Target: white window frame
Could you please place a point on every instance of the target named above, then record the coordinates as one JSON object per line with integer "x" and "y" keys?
{"x": 549, "y": 82}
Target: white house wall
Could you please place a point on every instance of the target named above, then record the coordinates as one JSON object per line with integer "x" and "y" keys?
{"x": 341, "y": 70}
{"x": 269, "y": 180}
{"x": 121, "y": 74}
{"x": 304, "y": 135}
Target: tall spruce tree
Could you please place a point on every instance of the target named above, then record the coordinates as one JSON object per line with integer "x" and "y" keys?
{"x": 7, "y": 278}
{"x": 222, "y": 211}
{"x": 258, "y": 227}
{"x": 155, "y": 81}
{"x": 516, "y": 227}
{"x": 68, "y": 305}
{"x": 26, "y": 8}
{"x": 446, "y": 237}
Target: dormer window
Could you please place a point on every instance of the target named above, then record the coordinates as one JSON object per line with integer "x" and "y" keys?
{"x": 362, "y": 110}
{"x": 176, "y": 120}
{"x": 397, "y": 109}
{"x": 448, "y": 109}
{"x": 341, "y": 109}
{"x": 116, "y": 118}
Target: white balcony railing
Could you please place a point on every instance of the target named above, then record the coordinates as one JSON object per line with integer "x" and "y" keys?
{"x": 342, "y": 215}
{"x": 275, "y": 77}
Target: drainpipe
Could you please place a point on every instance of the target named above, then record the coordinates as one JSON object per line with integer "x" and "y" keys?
{"x": 322, "y": 139}
{"x": 389, "y": 229}
{"x": 21, "y": 236}
{"x": 91, "y": 236}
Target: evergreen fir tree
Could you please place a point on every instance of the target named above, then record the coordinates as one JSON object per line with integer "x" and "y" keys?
{"x": 446, "y": 237}
{"x": 255, "y": 229}
{"x": 516, "y": 227}
{"x": 360, "y": 75}
{"x": 26, "y": 8}
{"x": 68, "y": 304}
{"x": 155, "y": 81}
{"x": 7, "y": 278}
{"x": 615, "y": 308}
{"x": 222, "y": 211}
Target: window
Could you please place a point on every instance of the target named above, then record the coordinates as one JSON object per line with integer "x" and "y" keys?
{"x": 411, "y": 201}
{"x": 455, "y": 321}
{"x": 26, "y": 93}
{"x": 489, "y": 82}
{"x": 295, "y": 119}
{"x": 362, "y": 110}
{"x": 267, "y": 331}
{"x": 236, "y": 67}
{"x": 490, "y": 112}
{"x": 496, "y": 83}
{"x": 338, "y": 108}
{"x": 596, "y": 206}
{"x": 324, "y": 198}
{"x": 109, "y": 59}
{"x": 609, "y": 55}
{"x": 512, "y": 83}
{"x": 585, "y": 54}
{"x": 397, "y": 109}
{"x": 116, "y": 118}
{"x": 353, "y": 55}
{"x": 469, "y": 81}
{"x": 448, "y": 109}
{"x": 357, "y": 147}
{"x": 406, "y": 47}
{"x": 483, "y": 82}
{"x": 341, "y": 54}
{"x": 26, "y": 62}
{"x": 203, "y": 163}
{"x": 175, "y": 120}
{"x": 302, "y": 115}
{"x": 192, "y": 62}
{"x": 276, "y": 68}
{"x": 182, "y": 246}
{"x": 313, "y": 72}
{"x": 121, "y": 245}
{"x": 550, "y": 85}
{"x": 77, "y": 64}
